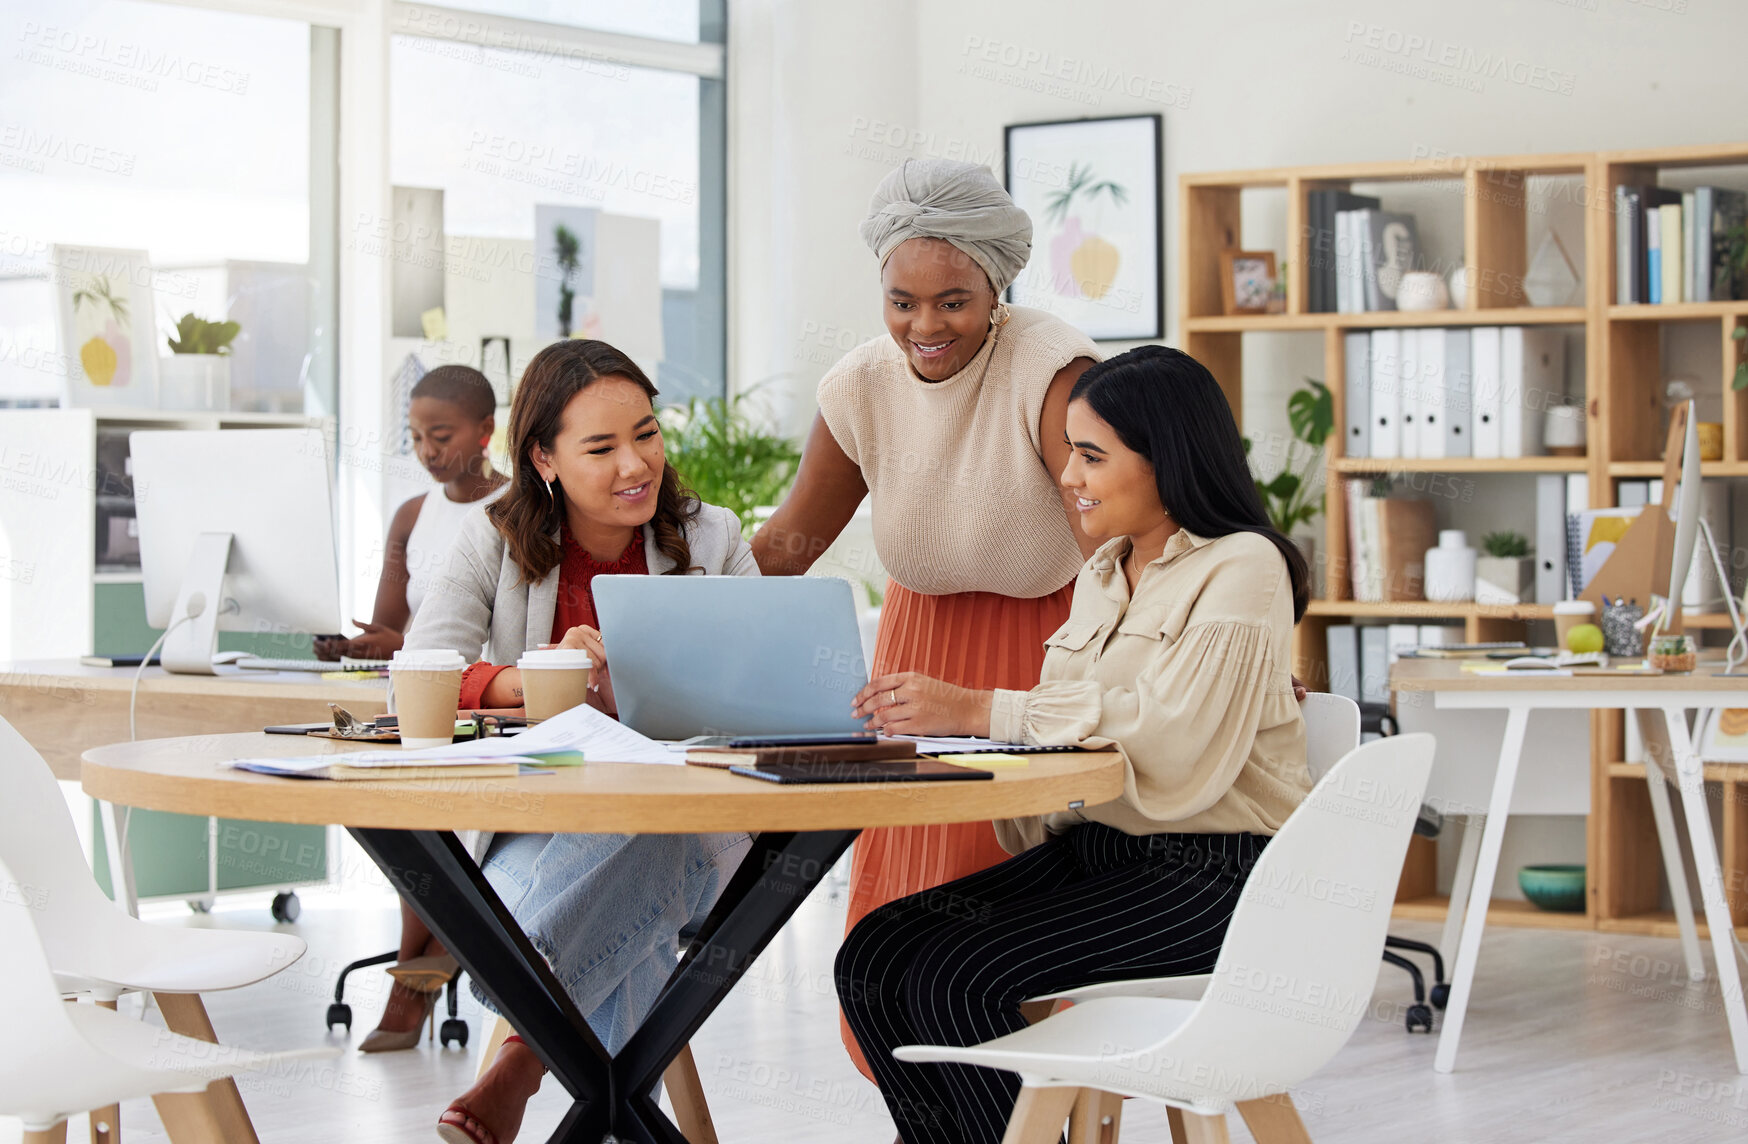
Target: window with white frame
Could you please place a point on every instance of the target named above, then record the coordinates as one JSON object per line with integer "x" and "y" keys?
{"x": 555, "y": 181}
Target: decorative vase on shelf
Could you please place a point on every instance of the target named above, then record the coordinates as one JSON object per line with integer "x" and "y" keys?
{"x": 1563, "y": 431}
{"x": 1459, "y": 281}
{"x": 1422, "y": 290}
{"x": 1450, "y": 568}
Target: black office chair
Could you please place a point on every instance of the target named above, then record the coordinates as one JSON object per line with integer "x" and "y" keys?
{"x": 1377, "y": 719}
{"x": 452, "y": 1029}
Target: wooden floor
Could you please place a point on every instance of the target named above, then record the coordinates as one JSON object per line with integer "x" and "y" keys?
{"x": 1574, "y": 1037}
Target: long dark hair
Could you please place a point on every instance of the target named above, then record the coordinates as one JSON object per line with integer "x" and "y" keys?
{"x": 1166, "y": 406}
{"x": 529, "y": 514}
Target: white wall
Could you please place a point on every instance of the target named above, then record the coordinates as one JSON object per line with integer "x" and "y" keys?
{"x": 828, "y": 96}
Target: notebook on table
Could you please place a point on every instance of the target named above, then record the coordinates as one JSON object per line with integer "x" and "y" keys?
{"x": 880, "y": 771}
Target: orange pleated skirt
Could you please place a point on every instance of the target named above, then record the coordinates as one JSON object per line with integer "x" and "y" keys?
{"x": 972, "y": 639}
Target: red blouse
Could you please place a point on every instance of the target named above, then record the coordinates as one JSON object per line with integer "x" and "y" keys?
{"x": 575, "y": 604}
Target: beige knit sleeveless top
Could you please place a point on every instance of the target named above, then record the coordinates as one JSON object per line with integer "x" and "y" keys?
{"x": 961, "y": 497}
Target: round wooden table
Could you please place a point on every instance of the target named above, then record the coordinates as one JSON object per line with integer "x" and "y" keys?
{"x": 408, "y": 829}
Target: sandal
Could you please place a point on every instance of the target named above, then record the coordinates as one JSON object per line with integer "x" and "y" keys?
{"x": 459, "y": 1126}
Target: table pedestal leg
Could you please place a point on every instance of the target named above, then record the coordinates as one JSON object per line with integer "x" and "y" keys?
{"x": 1658, "y": 754}
{"x": 1486, "y": 867}
{"x": 446, "y": 888}
{"x": 1691, "y": 778}
{"x": 1461, "y": 882}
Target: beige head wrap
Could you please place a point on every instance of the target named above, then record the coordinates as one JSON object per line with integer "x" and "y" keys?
{"x": 960, "y": 202}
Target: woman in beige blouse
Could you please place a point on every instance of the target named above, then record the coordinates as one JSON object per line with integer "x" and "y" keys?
{"x": 1176, "y": 652}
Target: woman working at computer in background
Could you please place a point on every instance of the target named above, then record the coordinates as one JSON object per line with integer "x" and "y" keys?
{"x": 1177, "y": 652}
{"x": 450, "y": 416}
{"x": 591, "y": 494}
{"x": 953, "y": 423}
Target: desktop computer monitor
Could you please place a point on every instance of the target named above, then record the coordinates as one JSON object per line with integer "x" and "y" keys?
{"x": 236, "y": 532}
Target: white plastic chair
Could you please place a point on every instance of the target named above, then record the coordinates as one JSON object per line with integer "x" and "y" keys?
{"x": 1294, "y": 976}
{"x": 58, "y": 1059}
{"x": 94, "y": 947}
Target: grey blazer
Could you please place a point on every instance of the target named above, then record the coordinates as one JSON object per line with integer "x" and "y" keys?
{"x": 480, "y": 599}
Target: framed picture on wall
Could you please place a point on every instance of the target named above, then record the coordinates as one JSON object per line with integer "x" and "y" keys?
{"x": 104, "y": 308}
{"x": 1091, "y": 187}
{"x": 1247, "y": 280}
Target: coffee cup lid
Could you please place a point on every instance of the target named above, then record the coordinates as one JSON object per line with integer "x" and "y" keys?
{"x": 555, "y": 657}
{"x": 426, "y": 659}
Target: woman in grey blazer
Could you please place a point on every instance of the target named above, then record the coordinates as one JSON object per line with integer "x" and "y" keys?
{"x": 591, "y": 495}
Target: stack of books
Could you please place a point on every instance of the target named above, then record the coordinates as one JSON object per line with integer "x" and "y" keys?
{"x": 1387, "y": 542}
{"x": 1448, "y": 392}
{"x": 1359, "y": 253}
{"x": 1673, "y": 246}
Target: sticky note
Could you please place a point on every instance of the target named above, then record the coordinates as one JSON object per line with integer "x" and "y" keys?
{"x": 987, "y": 761}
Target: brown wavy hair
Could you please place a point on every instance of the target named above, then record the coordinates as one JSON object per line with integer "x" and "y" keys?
{"x": 528, "y": 515}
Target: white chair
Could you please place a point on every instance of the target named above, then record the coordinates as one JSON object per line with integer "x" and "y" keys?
{"x": 95, "y": 948}
{"x": 57, "y": 1059}
{"x": 1294, "y": 977}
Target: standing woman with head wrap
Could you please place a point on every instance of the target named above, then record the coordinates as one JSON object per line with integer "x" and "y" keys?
{"x": 955, "y": 425}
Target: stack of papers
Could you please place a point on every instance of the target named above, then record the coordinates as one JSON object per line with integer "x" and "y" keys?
{"x": 578, "y": 734}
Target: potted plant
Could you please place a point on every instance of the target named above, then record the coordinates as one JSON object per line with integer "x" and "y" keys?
{"x": 197, "y": 374}
{"x": 726, "y": 457}
{"x": 1506, "y": 574}
{"x": 1292, "y": 496}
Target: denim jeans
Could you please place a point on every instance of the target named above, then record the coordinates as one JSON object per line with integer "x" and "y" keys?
{"x": 606, "y": 911}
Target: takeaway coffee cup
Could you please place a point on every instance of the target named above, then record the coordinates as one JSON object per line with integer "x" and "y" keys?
{"x": 554, "y": 680}
{"x": 427, "y": 687}
{"x": 1568, "y": 614}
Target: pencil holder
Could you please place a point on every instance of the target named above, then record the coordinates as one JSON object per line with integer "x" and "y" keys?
{"x": 1619, "y": 636}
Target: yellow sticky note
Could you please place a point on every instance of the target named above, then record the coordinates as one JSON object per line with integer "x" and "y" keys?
{"x": 435, "y": 325}
{"x": 987, "y": 761}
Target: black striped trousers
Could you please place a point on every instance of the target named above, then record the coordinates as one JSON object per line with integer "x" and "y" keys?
{"x": 950, "y": 966}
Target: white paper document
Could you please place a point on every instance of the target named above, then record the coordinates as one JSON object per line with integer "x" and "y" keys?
{"x": 598, "y": 737}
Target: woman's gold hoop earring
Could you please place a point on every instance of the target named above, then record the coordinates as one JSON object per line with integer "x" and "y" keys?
{"x": 998, "y": 317}
{"x": 550, "y": 495}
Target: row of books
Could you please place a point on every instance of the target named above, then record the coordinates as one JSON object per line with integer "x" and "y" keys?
{"x": 1360, "y": 656}
{"x": 1451, "y": 392}
{"x": 1674, "y": 246}
{"x": 1358, "y": 252}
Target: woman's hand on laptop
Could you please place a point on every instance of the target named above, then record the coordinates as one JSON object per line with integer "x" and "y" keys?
{"x": 911, "y": 703}
{"x": 584, "y": 638}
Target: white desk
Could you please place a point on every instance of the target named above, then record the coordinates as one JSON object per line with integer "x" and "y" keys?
{"x": 1661, "y": 704}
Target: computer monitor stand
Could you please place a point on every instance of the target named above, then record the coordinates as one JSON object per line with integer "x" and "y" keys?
{"x": 193, "y": 633}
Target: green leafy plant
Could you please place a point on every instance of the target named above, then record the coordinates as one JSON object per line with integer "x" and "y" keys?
{"x": 1289, "y": 496}
{"x": 568, "y": 248}
{"x": 1505, "y": 545}
{"x": 725, "y": 456}
{"x": 1081, "y": 185}
{"x": 198, "y": 336}
{"x": 1740, "y": 381}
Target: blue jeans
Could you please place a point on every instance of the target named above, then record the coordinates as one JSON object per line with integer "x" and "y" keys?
{"x": 606, "y": 911}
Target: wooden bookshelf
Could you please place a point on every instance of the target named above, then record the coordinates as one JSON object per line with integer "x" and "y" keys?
{"x": 1624, "y": 429}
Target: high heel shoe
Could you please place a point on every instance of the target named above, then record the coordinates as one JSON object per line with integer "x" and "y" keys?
{"x": 426, "y": 977}
{"x": 459, "y": 1126}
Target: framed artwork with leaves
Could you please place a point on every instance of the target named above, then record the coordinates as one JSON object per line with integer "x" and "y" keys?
{"x": 107, "y": 325}
{"x": 1092, "y": 189}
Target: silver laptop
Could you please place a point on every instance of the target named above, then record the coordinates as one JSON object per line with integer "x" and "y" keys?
{"x": 731, "y": 655}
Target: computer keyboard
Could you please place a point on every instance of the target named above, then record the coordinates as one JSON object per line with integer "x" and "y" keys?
{"x": 347, "y": 663}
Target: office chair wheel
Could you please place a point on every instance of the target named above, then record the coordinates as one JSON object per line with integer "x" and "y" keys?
{"x": 453, "y": 1029}
{"x": 286, "y": 907}
{"x": 1441, "y": 993}
{"x": 1419, "y": 1019}
{"x": 340, "y": 1013}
